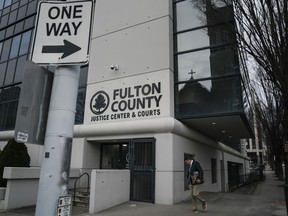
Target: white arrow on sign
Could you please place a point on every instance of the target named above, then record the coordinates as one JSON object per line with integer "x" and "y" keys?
{"x": 62, "y": 32}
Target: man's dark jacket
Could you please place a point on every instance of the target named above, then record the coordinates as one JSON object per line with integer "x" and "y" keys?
{"x": 195, "y": 168}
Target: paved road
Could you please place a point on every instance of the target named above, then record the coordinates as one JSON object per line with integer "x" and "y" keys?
{"x": 262, "y": 199}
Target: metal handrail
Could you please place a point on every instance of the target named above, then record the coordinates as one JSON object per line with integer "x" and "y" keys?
{"x": 74, "y": 191}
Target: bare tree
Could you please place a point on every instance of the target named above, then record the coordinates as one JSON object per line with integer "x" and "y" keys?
{"x": 261, "y": 29}
{"x": 263, "y": 34}
{"x": 268, "y": 108}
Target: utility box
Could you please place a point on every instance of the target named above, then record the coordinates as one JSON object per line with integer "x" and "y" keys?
{"x": 33, "y": 104}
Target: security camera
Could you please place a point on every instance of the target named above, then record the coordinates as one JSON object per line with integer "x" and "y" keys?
{"x": 114, "y": 67}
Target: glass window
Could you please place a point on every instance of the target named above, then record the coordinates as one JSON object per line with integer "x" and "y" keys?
{"x": 11, "y": 115}
{"x": 5, "y": 95}
{"x": 192, "y": 40}
{"x": 194, "y": 65}
{"x": 1, "y": 4}
{"x": 6, "y": 50}
{"x": 213, "y": 62}
{"x": 12, "y": 17}
{"x": 10, "y": 72}
{"x": 4, "y": 21}
{"x": 1, "y": 45}
{"x": 80, "y": 106}
{"x": 83, "y": 76}
{"x": 19, "y": 27}
{"x": 7, "y": 3}
{"x": 2, "y": 72}
{"x": 221, "y": 3}
{"x": 25, "y": 43}
{"x": 6, "y": 10}
{"x": 32, "y": 6}
{"x": 15, "y": 46}
{"x": 14, "y": 6}
{"x": 9, "y": 31}
{"x": 222, "y": 34}
{"x": 3, "y": 114}
{"x": 222, "y": 96}
{"x": 8, "y": 107}
{"x": 20, "y": 68}
{"x": 22, "y": 2}
{"x": 15, "y": 92}
{"x": 29, "y": 22}
{"x": 21, "y": 12}
{"x": 2, "y": 34}
{"x": 113, "y": 156}
{"x": 188, "y": 16}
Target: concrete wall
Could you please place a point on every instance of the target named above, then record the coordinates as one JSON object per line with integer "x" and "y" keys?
{"x": 22, "y": 186}
{"x": 108, "y": 188}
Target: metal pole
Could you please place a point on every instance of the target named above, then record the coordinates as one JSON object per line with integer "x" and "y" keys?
{"x": 55, "y": 167}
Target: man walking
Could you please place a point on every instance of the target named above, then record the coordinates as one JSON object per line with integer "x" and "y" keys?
{"x": 195, "y": 177}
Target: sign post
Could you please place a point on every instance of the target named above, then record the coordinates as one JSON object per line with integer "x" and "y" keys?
{"x": 62, "y": 37}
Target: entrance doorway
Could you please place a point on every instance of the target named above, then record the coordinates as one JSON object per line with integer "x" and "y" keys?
{"x": 137, "y": 155}
{"x": 113, "y": 155}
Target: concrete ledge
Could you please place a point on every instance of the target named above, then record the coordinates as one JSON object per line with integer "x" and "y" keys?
{"x": 24, "y": 181}
{"x": 21, "y": 172}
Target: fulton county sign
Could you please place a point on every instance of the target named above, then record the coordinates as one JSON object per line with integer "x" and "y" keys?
{"x": 62, "y": 33}
{"x": 143, "y": 97}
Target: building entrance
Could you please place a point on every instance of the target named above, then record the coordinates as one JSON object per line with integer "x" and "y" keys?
{"x": 137, "y": 155}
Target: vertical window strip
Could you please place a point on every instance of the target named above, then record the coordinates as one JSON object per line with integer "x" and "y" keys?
{"x": 15, "y": 47}
{"x": 25, "y": 42}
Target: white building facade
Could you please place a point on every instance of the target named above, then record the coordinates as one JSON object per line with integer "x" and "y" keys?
{"x": 130, "y": 105}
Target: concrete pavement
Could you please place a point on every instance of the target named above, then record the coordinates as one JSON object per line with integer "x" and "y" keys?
{"x": 265, "y": 199}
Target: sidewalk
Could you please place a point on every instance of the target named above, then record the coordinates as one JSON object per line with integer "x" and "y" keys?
{"x": 265, "y": 199}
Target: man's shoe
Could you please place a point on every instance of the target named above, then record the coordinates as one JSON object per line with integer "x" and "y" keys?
{"x": 205, "y": 206}
{"x": 193, "y": 211}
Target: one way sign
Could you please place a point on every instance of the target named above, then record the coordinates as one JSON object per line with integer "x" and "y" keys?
{"x": 62, "y": 33}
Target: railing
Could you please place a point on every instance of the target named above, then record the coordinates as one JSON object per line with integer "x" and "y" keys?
{"x": 241, "y": 180}
{"x": 75, "y": 184}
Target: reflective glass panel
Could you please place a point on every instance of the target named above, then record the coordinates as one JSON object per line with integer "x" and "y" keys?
{"x": 3, "y": 113}
{"x": 5, "y": 50}
{"x": 1, "y": 4}
{"x": 194, "y": 65}
{"x": 10, "y": 72}
{"x": 29, "y": 22}
{"x": 212, "y": 62}
{"x": 4, "y": 21}
{"x": 11, "y": 115}
{"x": 15, "y": 46}
{"x": 9, "y": 31}
{"x": 12, "y": 17}
{"x": 22, "y": 2}
{"x": 80, "y": 106}
{"x": 21, "y": 12}
{"x": 2, "y": 72}
{"x": 7, "y": 3}
{"x": 19, "y": 27}
{"x": 25, "y": 43}
{"x": 32, "y": 6}
{"x": 20, "y": 68}
{"x": 194, "y": 99}
{"x": 2, "y": 34}
{"x": 1, "y": 45}
{"x": 192, "y": 40}
{"x": 188, "y": 16}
